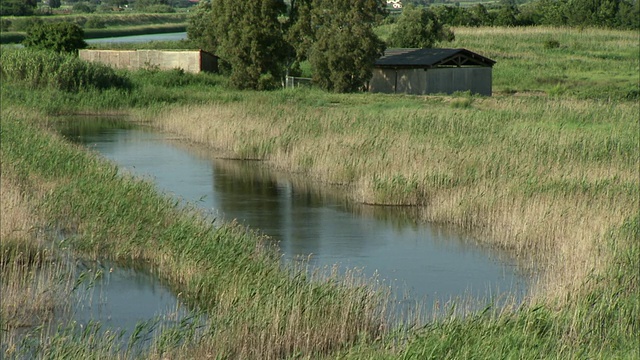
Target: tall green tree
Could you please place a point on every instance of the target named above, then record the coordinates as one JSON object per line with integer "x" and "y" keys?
{"x": 419, "y": 28}
{"x": 200, "y": 29}
{"x": 54, "y": 4}
{"x": 247, "y": 36}
{"x": 344, "y": 46}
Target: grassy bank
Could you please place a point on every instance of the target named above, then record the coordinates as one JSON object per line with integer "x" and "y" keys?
{"x": 546, "y": 169}
{"x": 254, "y": 306}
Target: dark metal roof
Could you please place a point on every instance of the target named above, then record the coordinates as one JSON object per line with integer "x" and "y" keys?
{"x": 426, "y": 58}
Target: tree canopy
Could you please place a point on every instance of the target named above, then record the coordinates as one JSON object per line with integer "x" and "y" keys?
{"x": 259, "y": 40}
{"x": 419, "y": 28}
{"x": 17, "y": 7}
{"x": 247, "y": 36}
{"x": 337, "y": 38}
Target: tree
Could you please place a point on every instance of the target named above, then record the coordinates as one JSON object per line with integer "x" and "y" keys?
{"x": 16, "y": 8}
{"x": 340, "y": 43}
{"x": 480, "y": 15}
{"x": 60, "y": 37}
{"x": 200, "y": 29}
{"x": 419, "y": 28}
{"x": 507, "y": 14}
{"x": 248, "y": 38}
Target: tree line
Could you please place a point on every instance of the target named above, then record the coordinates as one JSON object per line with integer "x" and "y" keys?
{"x": 622, "y": 14}
{"x": 260, "y": 41}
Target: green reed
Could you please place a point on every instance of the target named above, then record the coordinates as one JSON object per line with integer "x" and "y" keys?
{"x": 256, "y": 307}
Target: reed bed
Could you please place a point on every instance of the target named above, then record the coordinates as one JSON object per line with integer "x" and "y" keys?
{"x": 256, "y": 308}
{"x": 34, "y": 284}
{"x": 542, "y": 177}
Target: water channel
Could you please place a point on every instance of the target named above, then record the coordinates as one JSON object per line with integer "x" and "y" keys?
{"x": 421, "y": 262}
{"x": 140, "y": 38}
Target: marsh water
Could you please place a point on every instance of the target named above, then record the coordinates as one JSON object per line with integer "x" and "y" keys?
{"x": 140, "y": 38}
{"x": 420, "y": 262}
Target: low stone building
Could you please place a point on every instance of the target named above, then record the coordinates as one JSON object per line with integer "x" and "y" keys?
{"x": 432, "y": 71}
{"x": 193, "y": 61}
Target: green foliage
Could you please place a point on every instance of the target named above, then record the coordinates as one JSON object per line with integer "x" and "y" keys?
{"x": 16, "y": 8}
{"x": 60, "y": 37}
{"x": 344, "y": 45}
{"x": 246, "y": 35}
{"x": 46, "y": 69}
{"x": 83, "y": 7}
{"x": 419, "y": 28}
{"x": 5, "y": 24}
{"x": 55, "y": 4}
{"x": 200, "y": 29}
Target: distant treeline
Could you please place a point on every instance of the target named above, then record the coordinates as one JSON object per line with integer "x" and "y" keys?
{"x": 622, "y": 14}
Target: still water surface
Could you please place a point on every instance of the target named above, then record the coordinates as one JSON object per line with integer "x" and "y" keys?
{"x": 140, "y": 38}
{"x": 421, "y": 261}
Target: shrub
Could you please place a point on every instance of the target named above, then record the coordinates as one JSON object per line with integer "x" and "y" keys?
{"x": 59, "y": 37}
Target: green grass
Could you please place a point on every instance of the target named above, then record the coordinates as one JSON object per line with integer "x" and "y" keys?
{"x": 587, "y": 64}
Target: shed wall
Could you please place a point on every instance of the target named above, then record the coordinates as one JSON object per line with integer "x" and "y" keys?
{"x": 383, "y": 81}
{"x": 189, "y": 61}
{"x": 449, "y": 80}
{"x": 437, "y": 80}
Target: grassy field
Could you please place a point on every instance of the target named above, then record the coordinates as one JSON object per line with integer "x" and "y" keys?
{"x": 546, "y": 168}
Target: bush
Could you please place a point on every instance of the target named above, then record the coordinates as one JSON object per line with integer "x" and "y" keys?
{"x": 59, "y": 37}
{"x": 44, "y": 68}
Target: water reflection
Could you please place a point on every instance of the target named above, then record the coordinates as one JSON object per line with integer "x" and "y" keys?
{"x": 425, "y": 262}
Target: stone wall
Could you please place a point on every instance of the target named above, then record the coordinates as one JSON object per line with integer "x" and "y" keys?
{"x": 189, "y": 61}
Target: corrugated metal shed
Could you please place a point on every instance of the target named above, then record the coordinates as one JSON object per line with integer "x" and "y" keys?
{"x": 432, "y": 71}
{"x": 412, "y": 58}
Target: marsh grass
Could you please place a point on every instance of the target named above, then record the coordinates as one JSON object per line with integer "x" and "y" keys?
{"x": 48, "y": 69}
{"x": 521, "y": 173}
{"x": 256, "y": 308}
